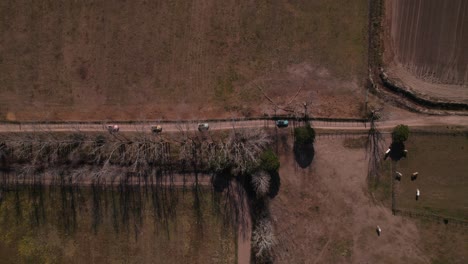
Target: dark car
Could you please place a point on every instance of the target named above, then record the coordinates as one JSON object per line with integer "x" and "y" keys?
{"x": 282, "y": 123}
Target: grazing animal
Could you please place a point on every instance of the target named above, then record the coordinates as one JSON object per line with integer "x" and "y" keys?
{"x": 378, "y": 230}
{"x": 414, "y": 176}
{"x": 398, "y": 175}
{"x": 386, "y": 154}
{"x": 418, "y": 193}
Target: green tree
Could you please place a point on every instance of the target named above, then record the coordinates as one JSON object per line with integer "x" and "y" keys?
{"x": 400, "y": 133}
{"x": 269, "y": 162}
{"x": 304, "y": 135}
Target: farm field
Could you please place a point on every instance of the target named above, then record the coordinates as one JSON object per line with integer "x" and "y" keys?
{"x": 134, "y": 60}
{"x": 426, "y": 47}
{"x": 325, "y": 214}
{"x": 442, "y": 165}
{"x": 57, "y": 237}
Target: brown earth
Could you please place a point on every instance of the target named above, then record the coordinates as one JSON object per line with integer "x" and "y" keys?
{"x": 324, "y": 214}
{"x": 429, "y": 38}
{"x": 426, "y": 47}
{"x": 124, "y": 60}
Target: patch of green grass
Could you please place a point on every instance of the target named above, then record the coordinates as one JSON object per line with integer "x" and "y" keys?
{"x": 342, "y": 249}
{"x": 381, "y": 189}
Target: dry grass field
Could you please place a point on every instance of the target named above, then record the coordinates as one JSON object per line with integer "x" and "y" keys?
{"x": 88, "y": 60}
{"x": 149, "y": 241}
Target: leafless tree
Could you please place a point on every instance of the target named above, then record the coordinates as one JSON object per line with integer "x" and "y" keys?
{"x": 263, "y": 239}
{"x": 375, "y": 149}
{"x": 261, "y": 183}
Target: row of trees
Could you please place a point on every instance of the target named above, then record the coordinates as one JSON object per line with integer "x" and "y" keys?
{"x": 154, "y": 165}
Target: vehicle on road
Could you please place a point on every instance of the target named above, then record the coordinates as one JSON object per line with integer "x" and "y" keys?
{"x": 113, "y": 128}
{"x": 156, "y": 129}
{"x": 282, "y": 123}
{"x": 203, "y": 127}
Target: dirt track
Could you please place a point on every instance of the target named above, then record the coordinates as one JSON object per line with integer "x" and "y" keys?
{"x": 410, "y": 120}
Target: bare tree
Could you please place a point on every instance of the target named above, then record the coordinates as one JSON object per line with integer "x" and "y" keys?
{"x": 375, "y": 149}
{"x": 261, "y": 183}
{"x": 263, "y": 239}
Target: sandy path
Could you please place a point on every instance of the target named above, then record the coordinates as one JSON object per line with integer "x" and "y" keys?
{"x": 429, "y": 90}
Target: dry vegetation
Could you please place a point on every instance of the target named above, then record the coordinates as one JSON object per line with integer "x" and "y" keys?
{"x": 143, "y": 240}
{"x": 87, "y": 60}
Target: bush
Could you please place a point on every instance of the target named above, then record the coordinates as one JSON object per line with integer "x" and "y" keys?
{"x": 400, "y": 133}
{"x": 269, "y": 161}
{"x": 304, "y": 135}
{"x": 100, "y": 140}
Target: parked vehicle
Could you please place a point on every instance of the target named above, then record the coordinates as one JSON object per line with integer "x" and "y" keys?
{"x": 113, "y": 128}
{"x": 203, "y": 127}
{"x": 156, "y": 129}
{"x": 282, "y": 123}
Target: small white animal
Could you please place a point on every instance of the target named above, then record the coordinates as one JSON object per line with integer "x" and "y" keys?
{"x": 378, "y": 230}
{"x": 399, "y": 175}
{"x": 414, "y": 175}
{"x": 418, "y": 193}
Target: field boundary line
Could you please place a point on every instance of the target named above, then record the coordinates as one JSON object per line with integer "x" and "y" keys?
{"x": 433, "y": 217}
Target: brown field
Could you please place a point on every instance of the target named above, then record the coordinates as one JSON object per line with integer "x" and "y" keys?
{"x": 430, "y": 38}
{"x": 87, "y": 60}
{"x": 441, "y": 163}
{"x": 149, "y": 241}
{"x": 325, "y": 214}
{"x": 426, "y": 47}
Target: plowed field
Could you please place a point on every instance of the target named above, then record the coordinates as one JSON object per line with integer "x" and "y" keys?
{"x": 430, "y": 39}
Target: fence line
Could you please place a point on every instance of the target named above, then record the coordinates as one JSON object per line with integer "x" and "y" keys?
{"x": 433, "y": 217}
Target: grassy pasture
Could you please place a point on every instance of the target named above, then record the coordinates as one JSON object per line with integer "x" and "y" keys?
{"x": 441, "y": 161}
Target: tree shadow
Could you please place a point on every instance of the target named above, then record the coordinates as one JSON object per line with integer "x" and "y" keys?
{"x": 397, "y": 151}
{"x": 221, "y": 181}
{"x": 304, "y": 154}
{"x": 275, "y": 183}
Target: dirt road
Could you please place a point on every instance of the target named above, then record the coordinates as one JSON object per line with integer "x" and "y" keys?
{"x": 412, "y": 121}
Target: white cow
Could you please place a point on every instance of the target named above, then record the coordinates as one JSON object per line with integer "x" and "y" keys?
{"x": 378, "y": 230}
{"x": 418, "y": 193}
{"x": 398, "y": 175}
